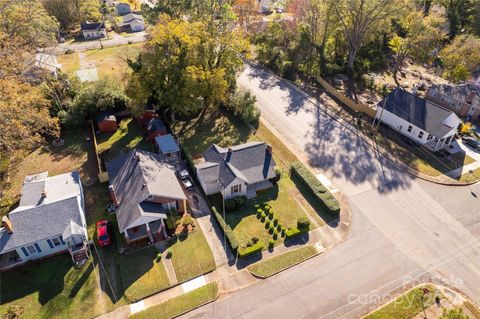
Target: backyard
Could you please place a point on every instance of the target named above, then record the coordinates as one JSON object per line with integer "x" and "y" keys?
{"x": 111, "y": 61}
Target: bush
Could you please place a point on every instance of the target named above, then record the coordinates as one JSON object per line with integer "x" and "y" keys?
{"x": 263, "y": 214}
{"x": 270, "y": 229}
{"x": 242, "y": 104}
{"x": 275, "y": 221}
{"x": 267, "y": 207}
{"x": 248, "y": 251}
{"x": 267, "y": 224}
{"x": 232, "y": 240}
{"x": 240, "y": 200}
{"x": 260, "y": 211}
{"x": 321, "y": 195}
{"x": 230, "y": 205}
{"x": 187, "y": 220}
{"x": 255, "y": 239}
{"x": 169, "y": 253}
{"x": 256, "y": 206}
{"x": 259, "y": 215}
{"x": 271, "y": 243}
{"x": 262, "y": 219}
{"x": 279, "y": 227}
{"x": 295, "y": 232}
{"x": 278, "y": 173}
{"x": 303, "y": 222}
{"x": 275, "y": 236}
{"x": 270, "y": 215}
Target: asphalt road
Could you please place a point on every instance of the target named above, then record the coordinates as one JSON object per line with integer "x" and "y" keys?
{"x": 404, "y": 230}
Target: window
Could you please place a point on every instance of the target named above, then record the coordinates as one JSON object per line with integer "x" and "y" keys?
{"x": 236, "y": 189}
{"x": 31, "y": 249}
{"x": 430, "y": 136}
{"x": 56, "y": 241}
{"x": 409, "y": 130}
{"x": 420, "y": 135}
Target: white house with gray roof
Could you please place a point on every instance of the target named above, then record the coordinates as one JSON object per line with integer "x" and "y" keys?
{"x": 49, "y": 220}
{"x": 240, "y": 170}
{"x": 421, "y": 120}
{"x": 144, "y": 189}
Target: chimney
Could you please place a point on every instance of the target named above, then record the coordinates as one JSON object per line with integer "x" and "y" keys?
{"x": 229, "y": 154}
{"x": 138, "y": 157}
{"x": 269, "y": 149}
{"x": 470, "y": 97}
{"x": 113, "y": 196}
{"x": 44, "y": 193}
{"x": 7, "y": 224}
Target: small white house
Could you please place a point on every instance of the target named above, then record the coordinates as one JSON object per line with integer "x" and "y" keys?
{"x": 49, "y": 220}
{"x": 91, "y": 31}
{"x": 420, "y": 120}
{"x": 133, "y": 22}
{"x": 241, "y": 170}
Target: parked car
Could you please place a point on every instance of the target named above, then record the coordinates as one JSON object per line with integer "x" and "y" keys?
{"x": 104, "y": 233}
{"x": 474, "y": 143}
{"x": 187, "y": 183}
{"x": 183, "y": 174}
{"x": 185, "y": 179}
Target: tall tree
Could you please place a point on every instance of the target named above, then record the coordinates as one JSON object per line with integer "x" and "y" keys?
{"x": 186, "y": 66}
{"x": 423, "y": 35}
{"x": 459, "y": 13}
{"x": 461, "y": 57}
{"x": 359, "y": 19}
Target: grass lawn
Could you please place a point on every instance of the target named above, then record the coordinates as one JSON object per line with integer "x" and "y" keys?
{"x": 76, "y": 154}
{"x": 111, "y": 61}
{"x": 192, "y": 257}
{"x": 53, "y": 288}
{"x": 418, "y": 157}
{"x": 129, "y": 135}
{"x": 278, "y": 263}
{"x": 181, "y": 304}
{"x": 471, "y": 177}
{"x": 281, "y": 198}
{"x": 406, "y": 306}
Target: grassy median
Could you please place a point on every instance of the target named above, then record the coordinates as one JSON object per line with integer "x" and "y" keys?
{"x": 278, "y": 263}
{"x": 181, "y": 304}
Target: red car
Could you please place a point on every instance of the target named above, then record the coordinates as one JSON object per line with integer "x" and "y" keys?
{"x": 103, "y": 233}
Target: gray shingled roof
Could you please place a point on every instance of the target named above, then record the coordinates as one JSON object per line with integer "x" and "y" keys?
{"x": 420, "y": 112}
{"x": 460, "y": 92}
{"x": 250, "y": 162}
{"x": 167, "y": 144}
{"x": 133, "y": 180}
{"x": 41, "y": 222}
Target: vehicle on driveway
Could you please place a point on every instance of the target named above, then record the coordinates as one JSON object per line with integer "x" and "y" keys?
{"x": 185, "y": 179}
{"x": 472, "y": 142}
{"x": 104, "y": 233}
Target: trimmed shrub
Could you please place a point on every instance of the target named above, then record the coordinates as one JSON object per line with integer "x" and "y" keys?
{"x": 240, "y": 200}
{"x": 321, "y": 195}
{"x": 303, "y": 222}
{"x": 256, "y": 206}
{"x": 255, "y": 239}
{"x": 248, "y": 251}
{"x": 270, "y": 215}
{"x": 262, "y": 219}
{"x": 259, "y": 215}
{"x": 267, "y": 207}
{"x": 295, "y": 232}
{"x": 230, "y": 205}
{"x": 275, "y": 221}
{"x": 267, "y": 225}
{"x": 275, "y": 236}
{"x": 278, "y": 174}
{"x": 169, "y": 253}
{"x": 260, "y": 211}
{"x": 279, "y": 227}
{"x": 270, "y": 230}
{"x": 271, "y": 244}
{"x": 232, "y": 240}
{"x": 263, "y": 214}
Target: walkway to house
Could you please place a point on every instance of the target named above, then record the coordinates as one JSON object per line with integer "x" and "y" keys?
{"x": 459, "y": 146}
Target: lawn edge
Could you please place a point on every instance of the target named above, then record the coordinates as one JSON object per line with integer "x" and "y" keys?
{"x": 285, "y": 268}
{"x": 203, "y": 304}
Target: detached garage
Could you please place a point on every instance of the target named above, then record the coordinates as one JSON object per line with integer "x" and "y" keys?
{"x": 106, "y": 122}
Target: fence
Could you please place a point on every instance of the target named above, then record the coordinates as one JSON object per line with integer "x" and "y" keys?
{"x": 357, "y": 107}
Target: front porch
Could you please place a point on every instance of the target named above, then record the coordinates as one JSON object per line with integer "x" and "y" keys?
{"x": 150, "y": 232}
{"x": 252, "y": 189}
{"x": 10, "y": 260}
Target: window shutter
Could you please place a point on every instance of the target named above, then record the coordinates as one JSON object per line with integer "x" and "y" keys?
{"x": 61, "y": 239}
{"x": 37, "y": 247}
{"x": 25, "y": 252}
{"x": 50, "y": 243}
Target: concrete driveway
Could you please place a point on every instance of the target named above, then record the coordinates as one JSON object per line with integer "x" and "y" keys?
{"x": 404, "y": 230}
{"x": 460, "y": 146}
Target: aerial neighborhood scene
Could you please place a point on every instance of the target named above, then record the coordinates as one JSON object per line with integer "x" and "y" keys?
{"x": 240, "y": 159}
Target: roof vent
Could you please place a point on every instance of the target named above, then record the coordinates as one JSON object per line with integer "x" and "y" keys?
{"x": 44, "y": 193}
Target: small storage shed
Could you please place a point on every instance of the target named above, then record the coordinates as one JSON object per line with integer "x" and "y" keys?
{"x": 155, "y": 128}
{"x": 168, "y": 147}
{"x": 106, "y": 122}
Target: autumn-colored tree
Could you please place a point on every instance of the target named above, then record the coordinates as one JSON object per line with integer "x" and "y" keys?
{"x": 24, "y": 116}
{"x": 423, "y": 35}
{"x": 461, "y": 57}
{"x": 187, "y": 66}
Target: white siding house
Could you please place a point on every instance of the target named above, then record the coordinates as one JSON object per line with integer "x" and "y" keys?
{"x": 133, "y": 22}
{"x": 91, "y": 31}
{"x": 420, "y": 120}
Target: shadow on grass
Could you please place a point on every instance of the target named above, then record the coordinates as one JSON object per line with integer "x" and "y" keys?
{"x": 330, "y": 220}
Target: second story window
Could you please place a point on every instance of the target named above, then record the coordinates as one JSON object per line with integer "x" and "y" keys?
{"x": 420, "y": 135}
{"x": 409, "y": 129}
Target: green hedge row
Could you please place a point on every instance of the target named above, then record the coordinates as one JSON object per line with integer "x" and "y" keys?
{"x": 248, "y": 251}
{"x": 232, "y": 240}
{"x": 295, "y": 232}
{"x": 323, "y": 197}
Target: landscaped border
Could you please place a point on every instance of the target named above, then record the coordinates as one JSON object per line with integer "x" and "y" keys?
{"x": 256, "y": 269}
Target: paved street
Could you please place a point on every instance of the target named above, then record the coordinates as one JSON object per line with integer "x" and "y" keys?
{"x": 403, "y": 229}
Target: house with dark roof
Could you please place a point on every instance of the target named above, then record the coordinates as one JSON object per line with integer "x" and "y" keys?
{"x": 122, "y": 8}
{"x": 49, "y": 220}
{"x": 168, "y": 148}
{"x": 463, "y": 99}
{"x": 240, "y": 170}
{"x": 144, "y": 190}
{"x": 421, "y": 120}
{"x": 133, "y": 22}
{"x": 94, "y": 30}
